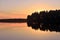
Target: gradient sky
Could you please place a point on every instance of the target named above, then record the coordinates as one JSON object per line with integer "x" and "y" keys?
{"x": 21, "y": 8}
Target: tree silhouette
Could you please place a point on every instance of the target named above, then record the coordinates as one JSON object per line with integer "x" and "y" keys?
{"x": 45, "y": 20}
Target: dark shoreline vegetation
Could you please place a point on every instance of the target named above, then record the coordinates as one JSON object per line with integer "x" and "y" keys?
{"x": 44, "y": 20}
{"x": 13, "y": 20}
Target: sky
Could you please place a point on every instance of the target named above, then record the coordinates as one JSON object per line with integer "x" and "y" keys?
{"x": 22, "y": 8}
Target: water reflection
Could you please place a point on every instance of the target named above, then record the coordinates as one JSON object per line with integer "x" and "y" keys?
{"x": 20, "y": 31}
{"x": 44, "y": 27}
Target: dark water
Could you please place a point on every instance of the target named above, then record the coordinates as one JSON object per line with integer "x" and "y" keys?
{"x": 20, "y": 31}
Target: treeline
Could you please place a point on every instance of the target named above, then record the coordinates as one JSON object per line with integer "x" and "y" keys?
{"x": 18, "y": 20}
{"x": 45, "y": 19}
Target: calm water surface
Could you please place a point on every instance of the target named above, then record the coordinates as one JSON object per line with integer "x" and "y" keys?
{"x": 20, "y": 31}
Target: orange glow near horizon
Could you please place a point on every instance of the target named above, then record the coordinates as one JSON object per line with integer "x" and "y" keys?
{"x": 20, "y": 9}
{"x": 23, "y": 12}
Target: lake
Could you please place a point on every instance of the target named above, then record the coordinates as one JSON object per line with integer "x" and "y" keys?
{"x": 20, "y": 31}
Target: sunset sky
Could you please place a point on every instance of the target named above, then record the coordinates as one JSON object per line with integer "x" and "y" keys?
{"x": 22, "y": 8}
